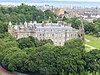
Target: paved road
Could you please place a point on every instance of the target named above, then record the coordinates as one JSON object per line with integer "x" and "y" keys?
{"x": 90, "y": 46}
{"x": 3, "y": 71}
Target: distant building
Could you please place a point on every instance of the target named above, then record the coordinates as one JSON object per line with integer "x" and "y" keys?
{"x": 58, "y": 11}
{"x": 88, "y": 14}
{"x": 57, "y": 32}
{"x": 90, "y": 17}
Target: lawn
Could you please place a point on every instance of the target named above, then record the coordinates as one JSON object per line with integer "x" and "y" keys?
{"x": 87, "y": 49}
{"x": 94, "y": 41}
{"x": 91, "y": 74}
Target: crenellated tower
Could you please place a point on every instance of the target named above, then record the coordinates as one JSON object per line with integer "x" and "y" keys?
{"x": 10, "y": 28}
{"x": 81, "y": 30}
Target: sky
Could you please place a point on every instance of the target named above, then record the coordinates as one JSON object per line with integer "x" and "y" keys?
{"x": 46, "y": 0}
{"x": 85, "y": 3}
{"x": 81, "y": 0}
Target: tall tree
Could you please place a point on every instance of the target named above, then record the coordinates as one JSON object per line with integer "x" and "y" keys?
{"x": 75, "y": 43}
{"x": 75, "y": 22}
{"x": 92, "y": 59}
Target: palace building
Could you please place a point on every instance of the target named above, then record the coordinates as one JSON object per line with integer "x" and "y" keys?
{"x": 57, "y": 32}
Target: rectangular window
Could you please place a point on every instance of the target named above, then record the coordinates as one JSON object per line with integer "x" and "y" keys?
{"x": 71, "y": 34}
{"x": 67, "y": 35}
{"x": 53, "y": 35}
{"x": 60, "y": 43}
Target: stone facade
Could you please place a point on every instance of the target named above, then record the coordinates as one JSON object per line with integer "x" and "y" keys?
{"x": 59, "y": 11}
{"x": 57, "y": 32}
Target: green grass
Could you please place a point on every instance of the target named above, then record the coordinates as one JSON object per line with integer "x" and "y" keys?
{"x": 87, "y": 49}
{"x": 0, "y": 73}
{"x": 94, "y": 41}
{"x": 91, "y": 74}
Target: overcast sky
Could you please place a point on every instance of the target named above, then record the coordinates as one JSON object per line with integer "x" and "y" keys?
{"x": 82, "y": 0}
{"x": 46, "y": 0}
